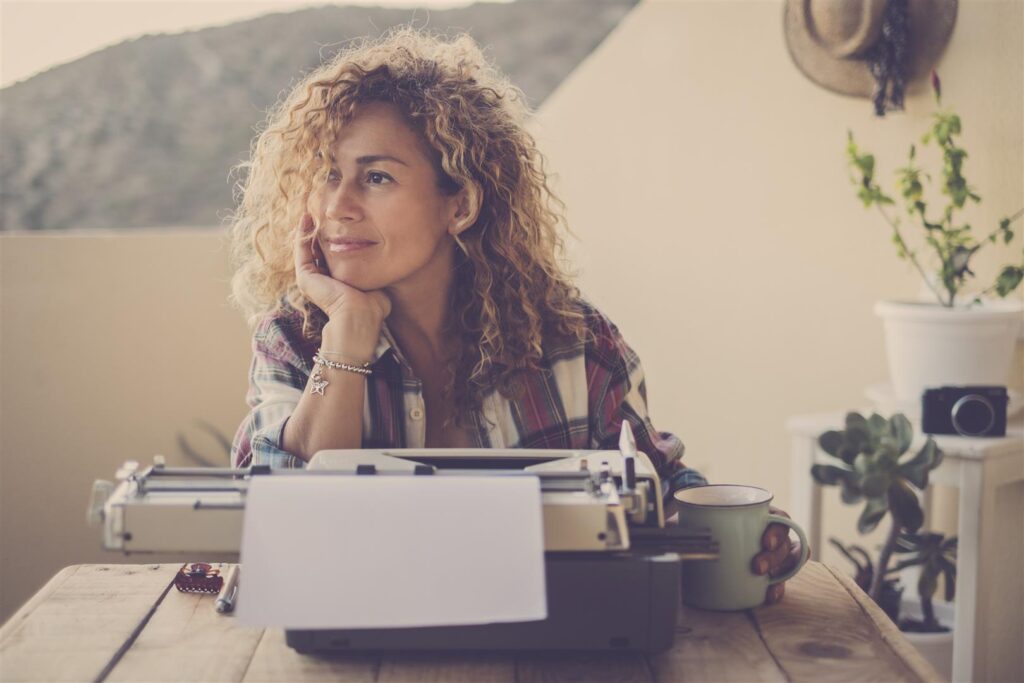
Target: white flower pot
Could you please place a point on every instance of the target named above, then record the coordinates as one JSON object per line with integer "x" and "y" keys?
{"x": 937, "y": 648}
{"x": 929, "y": 345}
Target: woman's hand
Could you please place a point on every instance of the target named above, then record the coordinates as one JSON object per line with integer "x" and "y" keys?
{"x": 354, "y": 315}
{"x": 779, "y": 556}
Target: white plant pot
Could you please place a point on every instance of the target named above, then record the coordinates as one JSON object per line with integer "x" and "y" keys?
{"x": 929, "y": 345}
{"x": 937, "y": 648}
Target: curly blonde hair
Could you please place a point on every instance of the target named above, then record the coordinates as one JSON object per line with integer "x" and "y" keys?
{"x": 510, "y": 287}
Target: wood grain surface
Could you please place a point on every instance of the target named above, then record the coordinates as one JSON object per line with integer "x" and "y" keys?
{"x": 824, "y": 634}
{"x": 126, "y": 623}
{"x": 187, "y": 640}
{"x": 716, "y": 646}
{"x": 78, "y": 622}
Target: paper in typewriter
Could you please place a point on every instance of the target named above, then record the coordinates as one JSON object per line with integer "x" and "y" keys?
{"x": 326, "y": 551}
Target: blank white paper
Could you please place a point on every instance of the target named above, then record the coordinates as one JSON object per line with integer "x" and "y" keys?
{"x": 325, "y": 551}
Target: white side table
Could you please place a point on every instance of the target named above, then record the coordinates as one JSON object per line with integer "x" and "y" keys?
{"x": 978, "y": 468}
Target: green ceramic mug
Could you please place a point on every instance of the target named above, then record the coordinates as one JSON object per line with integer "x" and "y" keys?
{"x": 737, "y": 517}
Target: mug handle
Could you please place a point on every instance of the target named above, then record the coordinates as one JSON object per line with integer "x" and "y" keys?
{"x": 805, "y": 550}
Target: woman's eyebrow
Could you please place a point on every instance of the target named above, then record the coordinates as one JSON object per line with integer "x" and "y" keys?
{"x": 372, "y": 158}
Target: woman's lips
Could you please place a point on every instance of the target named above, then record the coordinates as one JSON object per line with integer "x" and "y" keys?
{"x": 344, "y": 246}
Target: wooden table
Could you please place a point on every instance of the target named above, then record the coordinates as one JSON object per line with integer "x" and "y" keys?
{"x": 127, "y": 623}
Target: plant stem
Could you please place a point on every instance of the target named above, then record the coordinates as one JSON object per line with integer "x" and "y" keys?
{"x": 986, "y": 291}
{"x": 883, "y": 560}
{"x": 910, "y": 254}
{"x": 928, "y": 612}
{"x": 998, "y": 230}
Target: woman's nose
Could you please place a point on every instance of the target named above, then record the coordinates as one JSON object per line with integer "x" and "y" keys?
{"x": 343, "y": 202}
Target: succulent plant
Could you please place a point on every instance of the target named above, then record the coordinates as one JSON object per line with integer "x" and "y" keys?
{"x": 873, "y": 470}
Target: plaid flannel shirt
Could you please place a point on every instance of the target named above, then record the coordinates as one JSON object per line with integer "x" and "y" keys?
{"x": 577, "y": 401}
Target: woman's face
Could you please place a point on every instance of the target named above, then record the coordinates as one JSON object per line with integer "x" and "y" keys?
{"x": 381, "y": 218}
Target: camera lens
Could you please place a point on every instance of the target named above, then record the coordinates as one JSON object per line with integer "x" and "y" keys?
{"x": 973, "y": 415}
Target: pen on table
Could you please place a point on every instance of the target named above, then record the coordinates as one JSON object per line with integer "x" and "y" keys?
{"x": 226, "y": 599}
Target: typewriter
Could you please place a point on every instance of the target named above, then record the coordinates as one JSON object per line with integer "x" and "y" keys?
{"x": 612, "y": 564}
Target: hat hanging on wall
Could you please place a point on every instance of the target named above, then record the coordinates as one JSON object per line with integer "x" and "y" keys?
{"x": 868, "y": 48}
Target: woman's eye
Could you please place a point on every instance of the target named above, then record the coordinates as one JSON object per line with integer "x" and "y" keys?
{"x": 377, "y": 178}
{"x": 332, "y": 176}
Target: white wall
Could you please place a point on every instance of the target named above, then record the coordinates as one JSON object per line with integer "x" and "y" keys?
{"x": 111, "y": 345}
{"x": 707, "y": 182}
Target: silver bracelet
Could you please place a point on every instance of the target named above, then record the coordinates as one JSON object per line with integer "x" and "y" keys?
{"x": 317, "y": 381}
{"x": 347, "y": 359}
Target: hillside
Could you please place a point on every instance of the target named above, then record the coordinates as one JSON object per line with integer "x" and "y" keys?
{"x": 143, "y": 133}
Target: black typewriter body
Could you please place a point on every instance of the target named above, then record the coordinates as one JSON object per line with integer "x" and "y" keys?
{"x": 625, "y": 602}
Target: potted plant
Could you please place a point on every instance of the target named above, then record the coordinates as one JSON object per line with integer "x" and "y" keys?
{"x": 873, "y": 470}
{"x": 960, "y": 337}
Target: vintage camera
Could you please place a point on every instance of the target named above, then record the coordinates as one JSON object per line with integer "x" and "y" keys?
{"x": 967, "y": 411}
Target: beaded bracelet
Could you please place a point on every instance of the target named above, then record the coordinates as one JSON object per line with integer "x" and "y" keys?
{"x": 317, "y": 381}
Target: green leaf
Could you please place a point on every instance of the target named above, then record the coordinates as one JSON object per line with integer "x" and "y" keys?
{"x": 830, "y": 442}
{"x": 857, "y": 436}
{"x": 905, "y": 507}
{"x": 856, "y": 421}
{"x": 864, "y": 464}
{"x": 874, "y": 485}
{"x": 918, "y": 476}
{"x": 829, "y": 475}
{"x": 887, "y": 454}
{"x": 866, "y": 164}
{"x": 872, "y": 514}
{"x": 917, "y": 468}
{"x": 848, "y": 453}
{"x": 877, "y": 425}
{"x": 1008, "y": 280}
{"x": 902, "y": 430}
{"x": 849, "y": 491}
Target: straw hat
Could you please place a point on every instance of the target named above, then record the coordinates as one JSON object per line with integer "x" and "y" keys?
{"x": 830, "y": 39}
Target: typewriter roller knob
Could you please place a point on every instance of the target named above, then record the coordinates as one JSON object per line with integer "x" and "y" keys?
{"x": 128, "y": 470}
{"x": 101, "y": 490}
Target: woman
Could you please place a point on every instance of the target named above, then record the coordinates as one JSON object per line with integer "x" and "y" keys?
{"x": 397, "y": 251}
